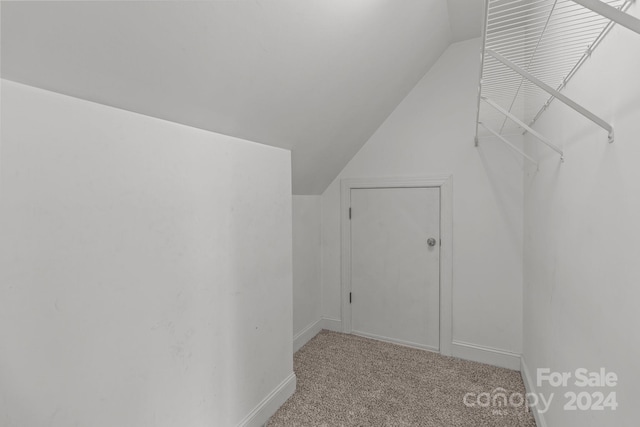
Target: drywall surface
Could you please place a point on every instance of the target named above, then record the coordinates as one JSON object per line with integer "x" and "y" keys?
{"x": 431, "y": 133}
{"x": 307, "y": 255}
{"x": 582, "y": 234}
{"x": 317, "y": 77}
{"x": 145, "y": 268}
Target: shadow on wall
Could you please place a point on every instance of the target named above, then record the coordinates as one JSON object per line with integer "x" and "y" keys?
{"x": 508, "y": 193}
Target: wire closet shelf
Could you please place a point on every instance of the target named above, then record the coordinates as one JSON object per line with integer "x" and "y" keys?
{"x": 531, "y": 50}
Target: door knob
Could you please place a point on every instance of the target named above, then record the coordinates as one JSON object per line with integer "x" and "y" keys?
{"x": 431, "y": 241}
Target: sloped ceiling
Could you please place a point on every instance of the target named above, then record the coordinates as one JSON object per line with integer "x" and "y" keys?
{"x": 315, "y": 76}
{"x": 466, "y": 18}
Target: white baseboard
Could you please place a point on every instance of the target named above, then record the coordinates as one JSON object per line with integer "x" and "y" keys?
{"x": 488, "y": 355}
{"x": 396, "y": 341}
{"x": 530, "y": 386}
{"x": 334, "y": 325}
{"x": 260, "y": 415}
{"x": 306, "y": 334}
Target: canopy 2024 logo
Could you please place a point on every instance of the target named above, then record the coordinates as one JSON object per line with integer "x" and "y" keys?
{"x": 587, "y": 400}
{"x": 597, "y": 394}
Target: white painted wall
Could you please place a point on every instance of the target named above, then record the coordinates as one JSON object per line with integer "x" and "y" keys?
{"x": 145, "y": 269}
{"x": 431, "y": 133}
{"x": 582, "y": 234}
{"x": 307, "y": 255}
{"x": 317, "y": 77}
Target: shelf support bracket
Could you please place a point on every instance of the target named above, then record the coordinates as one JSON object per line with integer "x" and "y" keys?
{"x": 551, "y": 91}
{"x": 506, "y": 141}
{"x": 612, "y": 13}
{"x": 523, "y": 125}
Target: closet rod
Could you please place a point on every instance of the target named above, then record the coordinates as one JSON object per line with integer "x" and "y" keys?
{"x": 551, "y": 91}
{"x": 523, "y": 125}
{"x": 506, "y": 141}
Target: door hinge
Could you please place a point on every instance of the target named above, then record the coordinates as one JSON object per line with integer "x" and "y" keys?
{"x": 349, "y": 213}
{"x": 349, "y": 297}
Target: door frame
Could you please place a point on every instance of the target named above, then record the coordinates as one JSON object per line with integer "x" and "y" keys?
{"x": 445, "y": 184}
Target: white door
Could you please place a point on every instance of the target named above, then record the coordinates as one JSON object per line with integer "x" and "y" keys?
{"x": 395, "y": 289}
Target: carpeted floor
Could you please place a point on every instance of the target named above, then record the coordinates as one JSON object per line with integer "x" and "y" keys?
{"x": 346, "y": 380}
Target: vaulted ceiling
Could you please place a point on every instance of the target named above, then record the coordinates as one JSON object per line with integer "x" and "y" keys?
{"x": 315, "y": 76}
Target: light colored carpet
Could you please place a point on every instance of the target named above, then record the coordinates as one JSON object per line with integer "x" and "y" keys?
{"x": 346, "y": 380}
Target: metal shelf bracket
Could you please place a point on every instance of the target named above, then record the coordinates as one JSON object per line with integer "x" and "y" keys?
{"x": 612, "y": 13}
{"x": 511, "y": 145}
{"x": 528, "y": 44}
{"x": 551, "y": 91}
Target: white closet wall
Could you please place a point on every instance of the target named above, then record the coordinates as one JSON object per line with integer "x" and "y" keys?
{"x": 431, "y": 133}
{"x": 581, "y": 247}
{"x": 307, "y": 263}
{"x": 145, "y": 269}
